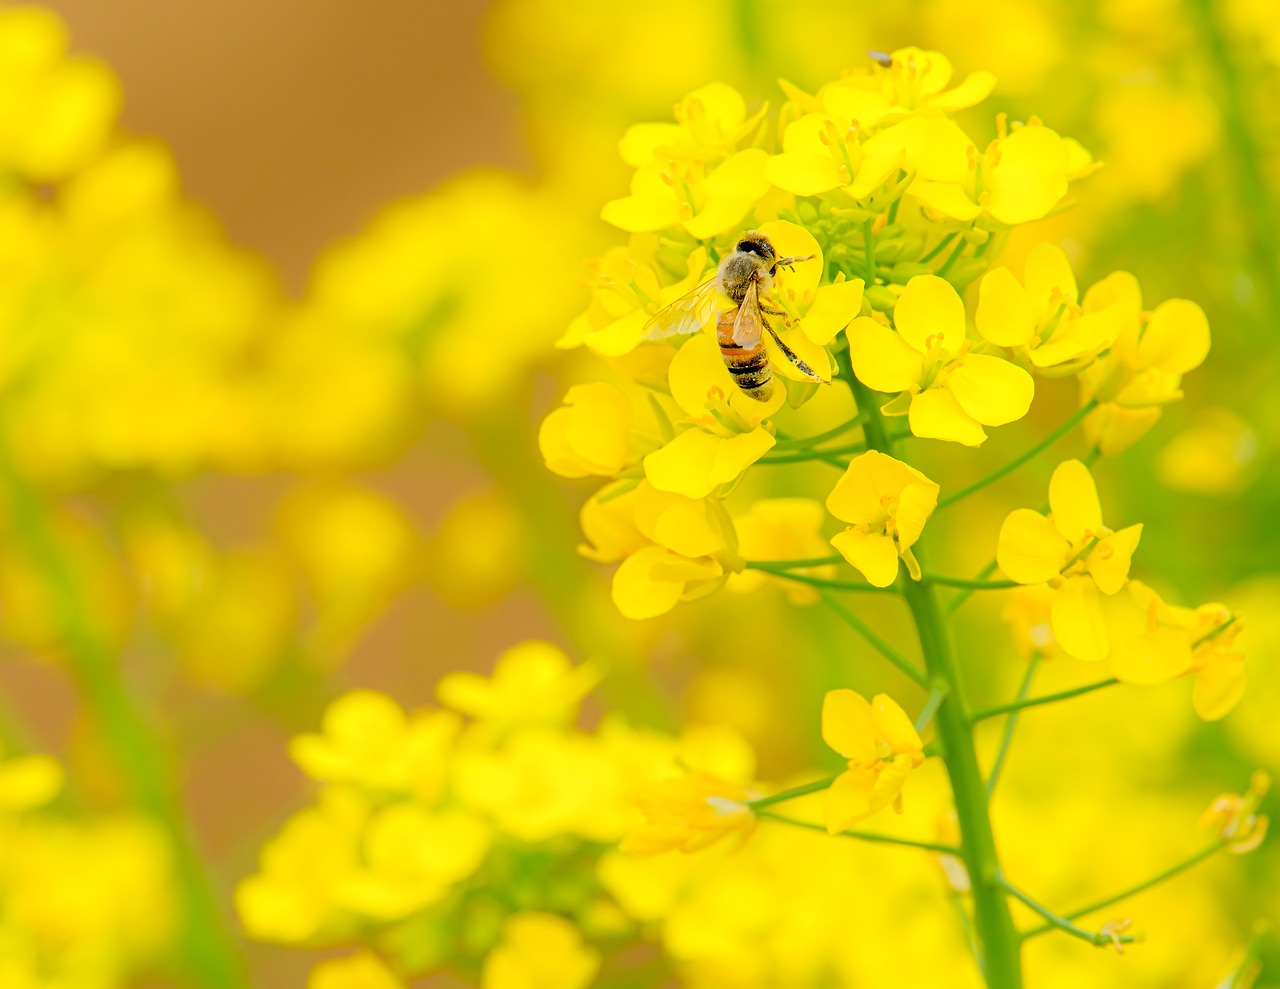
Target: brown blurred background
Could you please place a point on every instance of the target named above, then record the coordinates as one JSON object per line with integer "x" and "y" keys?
{"x": 295, "y": 119}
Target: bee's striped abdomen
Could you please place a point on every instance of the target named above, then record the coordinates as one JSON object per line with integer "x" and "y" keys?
{"x": 749, "y": 367}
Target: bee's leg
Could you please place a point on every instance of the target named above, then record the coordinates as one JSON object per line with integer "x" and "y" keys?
{"x": 790, "y": 355}
{"x": 787, "y": 321}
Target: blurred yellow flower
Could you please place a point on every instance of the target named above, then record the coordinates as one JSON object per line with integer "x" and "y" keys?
{"x": 368, "y": 739}
{"x": 887, "y": 504}
{"x": 359, "y": 971}
{"x": 882, "y": 748}
{"x": 1039, "y": 318}
{"x": 947, "y": 392}
{"x": 1215, "y": 455}
{"x": 590, "y": 433}
{"x": 1143, "y": 369}
{"x": 533, "y": 683}
{"x": 1235, "y": 817}
{"x": 540, "y": 951}
{"x": 781, "y": 529}
{"x": 689, "y": 813}
{"x": 28, "y": 782}
{"x": 1074, "y": 553}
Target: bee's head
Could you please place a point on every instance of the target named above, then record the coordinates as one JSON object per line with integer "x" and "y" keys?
{"x": 754, "y": 242}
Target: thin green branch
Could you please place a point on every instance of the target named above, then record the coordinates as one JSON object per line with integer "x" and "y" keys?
{"x": 1010, "y": 726}
{"x": 884, "y": 839}
{"x": 805, "y": 442}
{"x": 1214, "y": 633}
{"x": 771, "y": 565}
{"x": 1018, "y": 461}
{"x": 827, "y": 583}
{"x": 972, "y": 584}
{"x": 869, "y": 247}
{"x": 796, "y": 791}
{"x": 954, "y": 604}
{"x": 879, "y": 644}
{"x": 207, "y": 946}
{"x": 990, "y": 712}
{"x": 939, "y": 247}
{"x": 936, "y": 696}
{"x": 828, "y": 455}
{"x": 1134, "y": 890}
{"x": 952, "y": 258}
{"x": 1097, "y": 938}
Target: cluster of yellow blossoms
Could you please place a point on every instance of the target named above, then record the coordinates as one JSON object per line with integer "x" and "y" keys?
{"x": 85, "y": 901}
{"x": 900, "y": 211}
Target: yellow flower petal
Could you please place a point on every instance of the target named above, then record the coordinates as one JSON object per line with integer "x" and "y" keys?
{"x": 914, "y": 508}
{"x": 1109, "y": 561}
{"x": 652, "y": 580}
{"x": 1029, "y": 177}
{"x": 871, "y": 479}
{"x": 976, "y": 87}
{"x": 1176, "y": 339}
{"x": 991, "y": 390}
{"x": 882, "y": 359}
{"x": 832, "y": 309}
{"x": 792, "y": 240}
{"x": 1073, "y": 501}
{"x": 848, "y": 725}
{"x": 936, "y": 414}
{"x": 947, "y": 198}
{"x": 1030, "y": 549}
{"x": 1006, "y": 313}
{"x": 1048, "y": 276}
{"x": 1153, "y": 657}
{"x": 930, "y": 310}
{"x": 636, "y": 214}
{"x": 1076, "y": 617}
{"x": 804, "y": 173}
{"x": 697, "y": 462}
{"x": 872, "y": 554}
{"x": 641, "y": 142}
{"x": 1219, "y": 687}
{"x": 848, "y": 799}
{"x": 892, "y": 724}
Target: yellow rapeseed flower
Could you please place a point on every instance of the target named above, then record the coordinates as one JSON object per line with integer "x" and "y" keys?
{"x": 532, "y": 683}
{"x": 882, "y": 747}
{"x": 363, "y": 970}
{"x": 689, "y": 813}
{"x": 947, "y": 391}
{"x": 887, "y": 504}
{"x": 540, "y": 951}
{"x": 1074, "y": 553}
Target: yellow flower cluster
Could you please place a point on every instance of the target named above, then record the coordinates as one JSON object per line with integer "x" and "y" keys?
{"x": 437, "y": 833}
{"x": 1084, "y": 601}
{"x": 89, "y": 902}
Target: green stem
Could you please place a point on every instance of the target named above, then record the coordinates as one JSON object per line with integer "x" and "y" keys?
{"x": 880, "y": 645}
{"x": 930, "y": 708}
{"x": 990, "y": 712}
{"x": 804, "y": 442}
{"x": 1002, "y": 964}
{"x": 827, "y": 583}
{"x": 869, "y": 248}
{"x": 928, "y": 846}
{"x": 1010, "y": 726}
{"x": 771, "y": 565}
{"x": 939, "y": 247}
{"x": 972, "y": 584}
{"x": 954, "y": 604}
{"x": 952, "y": 258}
{"x": 1017, "y": 462}
{"x": 796, "y": 791}
{"x": 1254, "y": 201}
{"x": 803, "y": 456}
{"x": 1141, "y": 887}
{"x": 1096, "y": 938}
{"x": 207, "y": 947}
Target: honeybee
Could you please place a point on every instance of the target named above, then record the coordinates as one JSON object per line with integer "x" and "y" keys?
{"x": 745, "y": 276}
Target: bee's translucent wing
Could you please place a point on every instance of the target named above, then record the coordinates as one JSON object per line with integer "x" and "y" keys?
{"x": 749, "y": 323}
{"x": 688, "y": 314}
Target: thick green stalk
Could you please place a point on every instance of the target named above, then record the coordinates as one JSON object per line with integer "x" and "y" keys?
{"x": 208, "y": 951}
{"x": 997, "y": 937}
